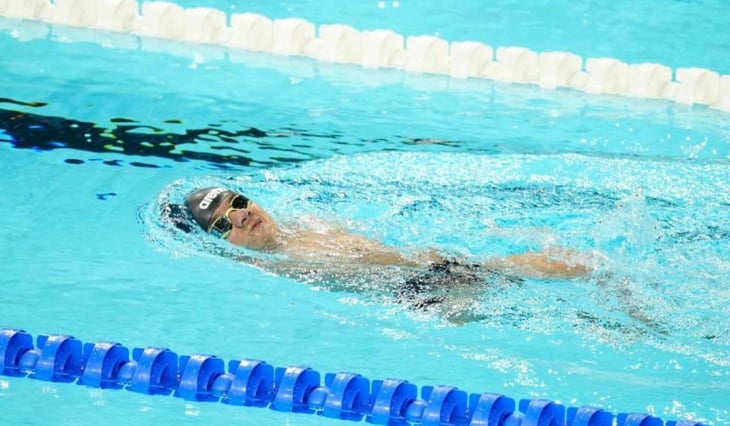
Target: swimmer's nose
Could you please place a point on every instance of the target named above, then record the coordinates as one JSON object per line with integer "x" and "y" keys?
{"x": 238, "y": 217}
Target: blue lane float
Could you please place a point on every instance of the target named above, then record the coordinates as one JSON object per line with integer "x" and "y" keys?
{"x": 296, "y": 389}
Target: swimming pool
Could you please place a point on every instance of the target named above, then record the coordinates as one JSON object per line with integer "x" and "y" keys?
{"x": 511, "y": 166}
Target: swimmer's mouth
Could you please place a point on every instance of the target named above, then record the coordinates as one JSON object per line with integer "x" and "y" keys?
{"x": 256, "y": 223}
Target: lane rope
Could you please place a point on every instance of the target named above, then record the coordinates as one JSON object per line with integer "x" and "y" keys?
{"x": 296, "y": 389}
{"x": 374, "y": 49}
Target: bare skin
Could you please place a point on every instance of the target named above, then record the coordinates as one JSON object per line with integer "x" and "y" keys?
{"x": 254, "y": 228}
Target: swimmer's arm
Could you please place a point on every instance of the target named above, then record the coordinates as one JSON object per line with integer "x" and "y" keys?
{"x": 542, "y": 265}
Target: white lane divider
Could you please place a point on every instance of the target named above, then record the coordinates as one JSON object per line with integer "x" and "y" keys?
{"x": 381, "y": 49}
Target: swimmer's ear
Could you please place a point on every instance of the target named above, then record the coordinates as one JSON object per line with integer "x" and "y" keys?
{"x": 177, "y": 215}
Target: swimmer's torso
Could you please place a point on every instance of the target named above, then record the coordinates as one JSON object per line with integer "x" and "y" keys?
{"x": 337, "y": 245}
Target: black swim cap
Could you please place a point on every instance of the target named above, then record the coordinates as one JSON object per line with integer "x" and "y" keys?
{"x": 204, "y": 202}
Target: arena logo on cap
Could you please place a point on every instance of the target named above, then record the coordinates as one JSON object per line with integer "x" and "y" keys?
{"x": 209, "y": 197}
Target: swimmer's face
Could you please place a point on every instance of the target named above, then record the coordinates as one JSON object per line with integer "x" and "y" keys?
{"x": 250, "y": 225}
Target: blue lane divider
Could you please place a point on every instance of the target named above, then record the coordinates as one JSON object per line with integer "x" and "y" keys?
{"x": 300, "y": 389}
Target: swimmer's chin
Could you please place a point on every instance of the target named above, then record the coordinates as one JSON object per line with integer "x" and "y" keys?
{"x": 271, "y": 241}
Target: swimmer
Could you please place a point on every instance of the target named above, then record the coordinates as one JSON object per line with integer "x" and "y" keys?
{"x": 242, "y": 222}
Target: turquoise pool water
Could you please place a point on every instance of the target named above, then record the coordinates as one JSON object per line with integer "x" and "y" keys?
{"x": 472, "y": 167}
